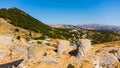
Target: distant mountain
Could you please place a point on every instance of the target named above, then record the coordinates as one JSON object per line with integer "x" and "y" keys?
{"x": 100, "y": 27}
{"x": 64, "y": 26}
{"x": 88, "y": 26}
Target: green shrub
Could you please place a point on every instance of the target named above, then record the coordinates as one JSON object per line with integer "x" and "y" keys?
{"x": 113, "y": 51}
{"x": 18, "y": 37}
{"x": 47, "y": 44}
{"x": 70, "y": 66}
{"x": 38, "y": 38}
{"x": 16, "y": 30}
{"x": 97, "y": 51}
{"x": 45, "y": 54}
{"x": 39, "y": 42}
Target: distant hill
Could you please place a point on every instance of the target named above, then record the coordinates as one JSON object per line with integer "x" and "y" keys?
{"x": 19, "y": 18}
{"x": 64, "y": 26}
{"x": 100, "y": 27}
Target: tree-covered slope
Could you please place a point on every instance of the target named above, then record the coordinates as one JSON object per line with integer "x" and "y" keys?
{"x": 22, "y": 19}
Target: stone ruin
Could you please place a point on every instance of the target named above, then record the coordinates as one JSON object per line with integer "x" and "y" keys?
{"x": 83, "y": 45}
{"x": 63, "y": 46}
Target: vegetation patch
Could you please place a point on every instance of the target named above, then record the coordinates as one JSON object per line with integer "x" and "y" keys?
{"x": 45, "y": 54}
{"x": 70, "y": 66}
{"x": 113, "y": 51}
{"x": 18, "y": 37}
{"x": 39, "y": 42}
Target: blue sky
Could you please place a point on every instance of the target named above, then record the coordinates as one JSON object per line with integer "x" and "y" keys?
{"x": 69, "y": 11}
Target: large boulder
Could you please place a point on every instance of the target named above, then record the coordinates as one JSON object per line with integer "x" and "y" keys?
{"x": 83, "y": 45}
{"x": 63, "y": 47}
{"x": 105, "y": 60}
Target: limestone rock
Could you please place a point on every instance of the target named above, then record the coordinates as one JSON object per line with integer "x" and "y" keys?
{"x": 115, "y": 52}
{"x": 105, "y": 60}
{"x": 5, "y": 39}
{"x": 49, "y": 59}
{"x": 30, "y": 49}
{"x": 63, "y": 46}
{"x": 83, "y": 45}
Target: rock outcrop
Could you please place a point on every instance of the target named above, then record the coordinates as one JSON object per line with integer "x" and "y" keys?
{"x": 83, "y": 45}
{"x": 6, "y": 39}
{"x": 30, "y": 49}
{"x": 63, "y": 47}
{"x": 116, "y": 53}
{"x": 105, "y": 60}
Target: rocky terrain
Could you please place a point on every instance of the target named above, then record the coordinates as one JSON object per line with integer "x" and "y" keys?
{"x": 104, "y": 55}
{"x": 63, "y": 55}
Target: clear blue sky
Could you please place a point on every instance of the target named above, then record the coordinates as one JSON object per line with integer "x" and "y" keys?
{"x": 69, "y": 11}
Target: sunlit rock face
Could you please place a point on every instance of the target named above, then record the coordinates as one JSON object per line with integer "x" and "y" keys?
{"x": 63, "y": 47}
{"x": 5, "y": 39}
{"x": 83, "y": 45}
{"x": 115, "y": 52}
{"x": 11, "y": 49}
{"x": 105, "y": 60}
{"x": 30, "y": 49}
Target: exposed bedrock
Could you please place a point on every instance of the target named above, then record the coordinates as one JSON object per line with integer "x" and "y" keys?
{"x": 83, "y": 45}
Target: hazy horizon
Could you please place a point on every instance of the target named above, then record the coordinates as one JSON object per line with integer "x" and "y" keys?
{"x": 69, "y": 11}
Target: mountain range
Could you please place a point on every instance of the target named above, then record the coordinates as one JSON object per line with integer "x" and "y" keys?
{"x": 88, "y": 26}
{"x": 100, "y": 27}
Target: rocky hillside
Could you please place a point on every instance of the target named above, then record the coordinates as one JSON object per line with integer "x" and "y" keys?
{"x": 21, "y": 19}
{"x": 83, "y": 55}
{"x": 9, "y": 29}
